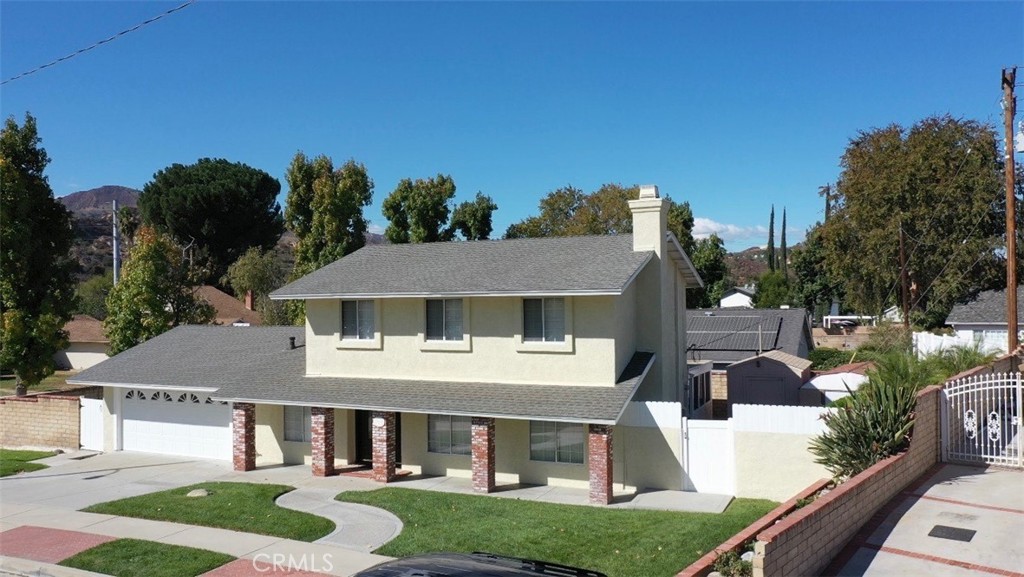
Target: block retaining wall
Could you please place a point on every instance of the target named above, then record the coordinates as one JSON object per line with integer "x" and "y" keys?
{"x": 42, "y": 420}
{"x": 805, "y": 541}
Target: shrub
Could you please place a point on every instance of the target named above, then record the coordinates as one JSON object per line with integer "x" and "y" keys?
{"x": 825, "y": 358}
{"x": 948, "y": 362}
{"x": 874, "y": 424}
{"x": 730, "y": 564}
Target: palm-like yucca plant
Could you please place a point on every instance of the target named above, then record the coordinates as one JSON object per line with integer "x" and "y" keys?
{"x": 875, "y": 424}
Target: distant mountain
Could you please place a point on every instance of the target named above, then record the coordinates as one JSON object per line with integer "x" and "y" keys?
{"x": 100, "y": 198}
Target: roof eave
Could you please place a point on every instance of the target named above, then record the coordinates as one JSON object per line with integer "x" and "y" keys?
{"x": 461, "y": 294}
{"x": 678, "y": 255}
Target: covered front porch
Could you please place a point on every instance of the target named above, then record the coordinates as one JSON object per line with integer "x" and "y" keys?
{"x": 489, "y": 454}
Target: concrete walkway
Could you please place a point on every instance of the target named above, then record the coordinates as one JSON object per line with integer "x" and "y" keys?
{"x": 959, "y": 521}
{"x": 358, "y": 527}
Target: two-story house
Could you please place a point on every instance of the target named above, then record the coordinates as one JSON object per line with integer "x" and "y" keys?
{"x": 504, "y": 361}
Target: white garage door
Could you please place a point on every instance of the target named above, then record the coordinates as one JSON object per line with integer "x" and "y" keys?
{"x": 176, "y": 423}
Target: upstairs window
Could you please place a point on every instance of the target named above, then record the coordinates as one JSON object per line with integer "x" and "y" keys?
{"x": 544, "y": 320}
{"x": 444, "y": 320}
{"x": 357, "y": 320}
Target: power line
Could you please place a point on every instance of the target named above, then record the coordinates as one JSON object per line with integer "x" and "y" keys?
{"x": 100, "y": 43}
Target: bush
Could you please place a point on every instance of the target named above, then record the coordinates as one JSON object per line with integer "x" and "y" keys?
{"x": 875, "y": 423}
{"x": 825, "y": 358}
{"x": 730, "y": 564}
{"x": 948, "y": 362}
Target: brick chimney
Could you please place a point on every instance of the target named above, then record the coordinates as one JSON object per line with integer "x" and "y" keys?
{"x": 248, "y": 300}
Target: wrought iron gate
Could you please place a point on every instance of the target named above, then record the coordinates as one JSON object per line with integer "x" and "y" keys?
{"x": 981, "y": 420}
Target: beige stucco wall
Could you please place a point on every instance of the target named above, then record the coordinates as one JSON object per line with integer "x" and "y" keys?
{"x": 774, "y": 466}
{"x": 647, "y": 458}
{"x": 512, "y": 455}
{"x": 272, "y": 449}
{"x": 494, "y": 354}
{"x": 80, "y": 356}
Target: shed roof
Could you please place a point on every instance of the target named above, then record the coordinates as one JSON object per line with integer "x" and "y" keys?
{"x": 785, "y": 358}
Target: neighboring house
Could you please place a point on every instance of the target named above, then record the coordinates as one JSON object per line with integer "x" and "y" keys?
{"x": 738, "y": 297}
{"x": 87, "y": 344}
{"x": 502, "y": 361}
{"x": 771, "y": 378}
{"x": 726, "y": 336}
{"x": 230, "y": 311}
{"x": 982, "y": 320}
{"x": 834, "y": 384}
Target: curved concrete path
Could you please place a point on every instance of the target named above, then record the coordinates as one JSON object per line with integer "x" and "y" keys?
{"x": 359, "y": 527}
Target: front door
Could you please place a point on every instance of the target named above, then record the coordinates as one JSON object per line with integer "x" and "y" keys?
{"x": 364, "y": 437}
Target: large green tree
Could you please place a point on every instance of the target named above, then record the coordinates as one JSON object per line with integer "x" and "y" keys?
{"x": 708, "y": 258}
{"x": 771, "y": 290}
{"x": 325, "y": 209}
{"x": 940, "y": 181}
{"x": 814, "y": 287}
{"x": 223, "y": 207}
{"x": 421, "y": 211}
{"x": 37, "y": 291}
{"x": 261, "y": 273}
{"x": 155, "y": 293}
{"x": 91, "y": 295}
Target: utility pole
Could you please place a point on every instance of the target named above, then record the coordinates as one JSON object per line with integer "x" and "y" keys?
{"x": 904, "y": 281}
{"x": 1009, "y": 109}
{"x": 117, "y": 247}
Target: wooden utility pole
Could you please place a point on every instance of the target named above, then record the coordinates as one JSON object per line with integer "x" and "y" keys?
{"x": 1009, "y": 109}
{"x": 904, "y": 281}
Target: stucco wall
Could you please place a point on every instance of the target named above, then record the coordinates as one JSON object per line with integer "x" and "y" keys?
{"x": 272, "y": 449}
{"x": 80, "y": 356}
{"x": 774, "y": 466}
{"x": 494, "y": 355}
{"x": 648, "y": 458}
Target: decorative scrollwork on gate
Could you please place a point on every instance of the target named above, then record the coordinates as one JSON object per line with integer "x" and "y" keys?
{"x": 970, "y": 424}
{"x": 993, "y": 426}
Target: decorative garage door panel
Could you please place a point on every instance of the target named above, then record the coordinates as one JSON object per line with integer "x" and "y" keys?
{"x": 176, "y": 423}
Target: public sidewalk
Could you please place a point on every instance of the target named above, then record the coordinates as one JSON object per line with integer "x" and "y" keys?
{"x": 45, "y": 523}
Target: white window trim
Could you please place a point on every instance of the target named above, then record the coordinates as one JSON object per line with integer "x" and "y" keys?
{"x": 524, "y": 346}
{"x": 376, "y": 343}
{"x": 464, "y": 346}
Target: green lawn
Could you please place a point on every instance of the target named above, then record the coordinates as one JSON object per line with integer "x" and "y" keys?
{"x": 135, "y": 558}
{"x": 13, "y": 462}
{"x": 55, "y": 382}
{"x": 245, "y": 507}
{"x": 619, "y": 542}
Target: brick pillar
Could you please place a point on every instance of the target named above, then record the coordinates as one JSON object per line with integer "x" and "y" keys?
{"x": 383, "y": 426}
{"x": 483, "y": 454}
{"x": 599, "y": 446}
{"x": 323, "y": 441}
{"x": 243, "y": 433}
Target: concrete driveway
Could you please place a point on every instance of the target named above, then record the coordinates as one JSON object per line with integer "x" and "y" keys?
{"x": 959, "y": 521}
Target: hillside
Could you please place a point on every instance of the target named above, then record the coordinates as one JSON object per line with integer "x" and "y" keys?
{"x": 100, "y": 198}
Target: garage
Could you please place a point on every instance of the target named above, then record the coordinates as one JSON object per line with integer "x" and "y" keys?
{"x": 183, "y": 423}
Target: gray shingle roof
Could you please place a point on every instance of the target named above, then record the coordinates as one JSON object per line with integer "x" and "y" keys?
{"x": 254, "y": 364}
{"x": 582, "y": 264}
{"x": 730, "y": 334}
{"x": 988, "y": 307}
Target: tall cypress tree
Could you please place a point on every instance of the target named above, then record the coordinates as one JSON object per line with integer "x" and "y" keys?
{"x": 783, "y": 265}
{"x": 771, "y": 240}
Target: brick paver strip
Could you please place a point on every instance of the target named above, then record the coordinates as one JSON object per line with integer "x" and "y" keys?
{"x": 47, "y": 545}
{"x": 953, "y": 562}
{"x": 260, "y": 566}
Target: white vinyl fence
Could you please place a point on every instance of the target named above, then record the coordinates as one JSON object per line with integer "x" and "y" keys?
{"x": 760, "y": 452}
{"x": 927, "y": 343}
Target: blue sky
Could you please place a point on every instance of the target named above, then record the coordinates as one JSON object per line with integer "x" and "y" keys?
{"x": 731, "y": 106}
